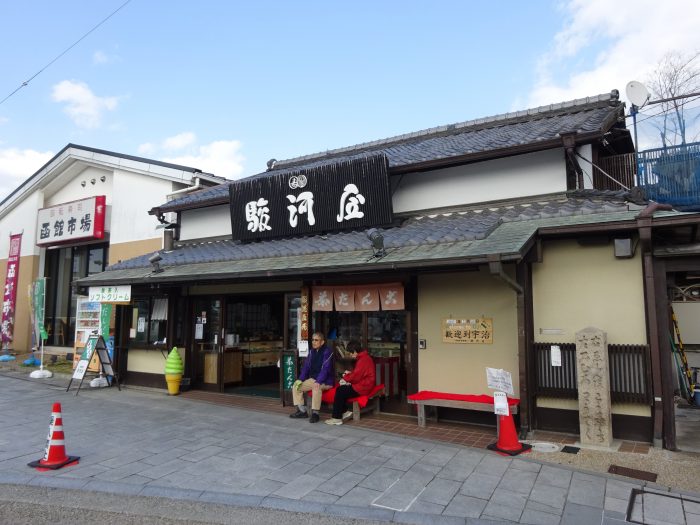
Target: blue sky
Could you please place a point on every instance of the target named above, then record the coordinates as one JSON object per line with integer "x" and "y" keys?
{"x": 224, "y": 86}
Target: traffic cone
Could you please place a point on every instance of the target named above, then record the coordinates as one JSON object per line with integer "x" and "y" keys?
{"x": 508, "y": 444}
{"x": 55, "y": 452}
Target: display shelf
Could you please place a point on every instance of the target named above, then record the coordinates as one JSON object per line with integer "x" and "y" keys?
{"x": 87, "y": 320}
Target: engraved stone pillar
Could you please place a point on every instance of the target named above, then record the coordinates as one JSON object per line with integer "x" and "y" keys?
{"x": 594, "y": 414}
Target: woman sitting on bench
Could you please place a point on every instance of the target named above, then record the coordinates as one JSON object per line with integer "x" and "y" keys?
{"x": 359, "y": 382}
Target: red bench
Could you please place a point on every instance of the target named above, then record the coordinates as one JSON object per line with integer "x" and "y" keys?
{"x": 360, "y": 404}
{"x": 482, "y": 403}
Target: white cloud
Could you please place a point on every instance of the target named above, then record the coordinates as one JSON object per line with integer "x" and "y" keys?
{"x": 179, "y": 141}
{"x": 630, "y": 38}
{"x": 4, "y": 120}
{"x": 17, "y": 165}
{"x": 99, "y": 57}
{"x": 221, "y": 157}
{"x": 83, "y": 106}
{"x": 147, "y": 148}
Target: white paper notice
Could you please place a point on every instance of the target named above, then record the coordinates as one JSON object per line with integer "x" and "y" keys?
{"x": 555, "y": 353}
{"x": 303, "y": 347}
{"x": 198, "y": 331}
{"x": 499, "y": 379}
{"x": 500, "y": 404}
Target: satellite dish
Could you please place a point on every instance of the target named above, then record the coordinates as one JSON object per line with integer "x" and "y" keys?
{"x": 637, "y": 93}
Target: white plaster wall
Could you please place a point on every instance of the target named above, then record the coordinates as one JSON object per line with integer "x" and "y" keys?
{"x": 72, "y": 190}
{"x": 21, "y": 219}
{"x": 587, "y": 153}
{"x": 133, "y": 195}
{"x": 214, "y": 221}
{"x": 520, "y": 176}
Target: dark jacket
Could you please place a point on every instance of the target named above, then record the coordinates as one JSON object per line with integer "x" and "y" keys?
{"x": 325, "y": 377}
{"x": 363, "y": 376}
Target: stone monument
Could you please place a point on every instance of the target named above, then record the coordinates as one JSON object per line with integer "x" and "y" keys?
{"x": 593, "y": 375}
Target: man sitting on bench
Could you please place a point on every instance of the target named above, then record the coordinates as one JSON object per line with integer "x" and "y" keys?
{"x": 359, "y": 382}
{"x": 316, "y": 376}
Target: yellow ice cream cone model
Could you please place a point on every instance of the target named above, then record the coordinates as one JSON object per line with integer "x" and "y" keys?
{"x": 173, "y": 371}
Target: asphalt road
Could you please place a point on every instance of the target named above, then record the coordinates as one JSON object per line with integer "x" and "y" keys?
{"x": 23, "y": 505}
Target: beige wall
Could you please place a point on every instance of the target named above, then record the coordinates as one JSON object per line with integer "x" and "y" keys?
{"x": 127, "y": 250}
{"x": 461, "y": 368}
{"x": 28, "y": 270}
{"x": 628, "y": 409}
{"x": 149, "y": 361}
{"x": 575, "y": 287}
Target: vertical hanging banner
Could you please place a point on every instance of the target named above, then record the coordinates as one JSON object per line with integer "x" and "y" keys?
{"x": 38, "y": 300}
{"x": 9, "y": 297}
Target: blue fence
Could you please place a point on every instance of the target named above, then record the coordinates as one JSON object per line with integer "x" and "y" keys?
{"x": 671, "y": 175}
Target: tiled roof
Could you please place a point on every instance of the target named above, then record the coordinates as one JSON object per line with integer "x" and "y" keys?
{"x": 442, "y": 237}
{"x": 533, "y": 127}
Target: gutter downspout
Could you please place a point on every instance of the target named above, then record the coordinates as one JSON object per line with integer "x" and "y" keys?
{"x": 664, "y": 432}
{"x": 568, "y": 140}
{"x": 196, "y": 186}
{"x": 496, "y": 269}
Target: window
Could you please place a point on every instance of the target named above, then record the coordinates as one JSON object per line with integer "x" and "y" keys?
{"x": 62, "y": 267}
{"x": 149, "y": 319}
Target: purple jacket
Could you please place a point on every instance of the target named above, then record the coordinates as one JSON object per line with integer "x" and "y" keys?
{"x": 326, "y": 376}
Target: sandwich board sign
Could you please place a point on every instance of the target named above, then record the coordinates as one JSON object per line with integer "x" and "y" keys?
{"x": 94, "y": 345}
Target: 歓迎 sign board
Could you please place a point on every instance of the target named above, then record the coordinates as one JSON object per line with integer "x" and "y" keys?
{"x": 467, "y": 331}
{"x": 500, "y": 380}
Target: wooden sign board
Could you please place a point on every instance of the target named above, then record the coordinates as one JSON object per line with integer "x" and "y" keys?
{"x": 468, "y": 331}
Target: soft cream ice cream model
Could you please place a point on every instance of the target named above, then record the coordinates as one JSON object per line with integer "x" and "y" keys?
{"x": 174, "y": 369}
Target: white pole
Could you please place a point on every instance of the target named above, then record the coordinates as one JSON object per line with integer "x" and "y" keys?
{"x": 41, "y": 373}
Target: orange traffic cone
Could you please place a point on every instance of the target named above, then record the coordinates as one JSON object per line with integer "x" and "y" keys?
{"x": 55, "y": 452}
{"x": 508, "y": 444}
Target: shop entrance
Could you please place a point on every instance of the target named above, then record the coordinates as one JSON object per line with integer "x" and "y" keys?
{"x": 238, "y": 340}
{"x": 383, "y": 333}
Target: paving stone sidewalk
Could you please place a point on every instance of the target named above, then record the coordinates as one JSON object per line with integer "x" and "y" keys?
{"x": 147, "y": 443}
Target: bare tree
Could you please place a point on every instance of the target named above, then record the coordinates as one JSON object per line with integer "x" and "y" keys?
{"x": 676, "y": 74}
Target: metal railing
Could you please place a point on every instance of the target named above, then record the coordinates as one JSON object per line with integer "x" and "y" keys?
{"x": 630, "y": 372}
{"x": 671, "y": 175}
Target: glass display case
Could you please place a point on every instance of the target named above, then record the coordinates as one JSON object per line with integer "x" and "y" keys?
{"x": 87, "y": 320}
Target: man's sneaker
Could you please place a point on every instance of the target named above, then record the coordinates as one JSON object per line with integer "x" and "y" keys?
{"x": 299, "y": 414}
{"x": 347, "y": 415}
{"x": 334, "y": 421}
{"x": 314, "y": 418}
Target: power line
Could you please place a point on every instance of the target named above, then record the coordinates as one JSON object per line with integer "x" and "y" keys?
{"x": 669, "y": 110}
{"x": 26, "y": 82}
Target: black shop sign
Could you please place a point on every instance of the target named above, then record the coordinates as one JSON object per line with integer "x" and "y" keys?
{"x": 351, "y": 194}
